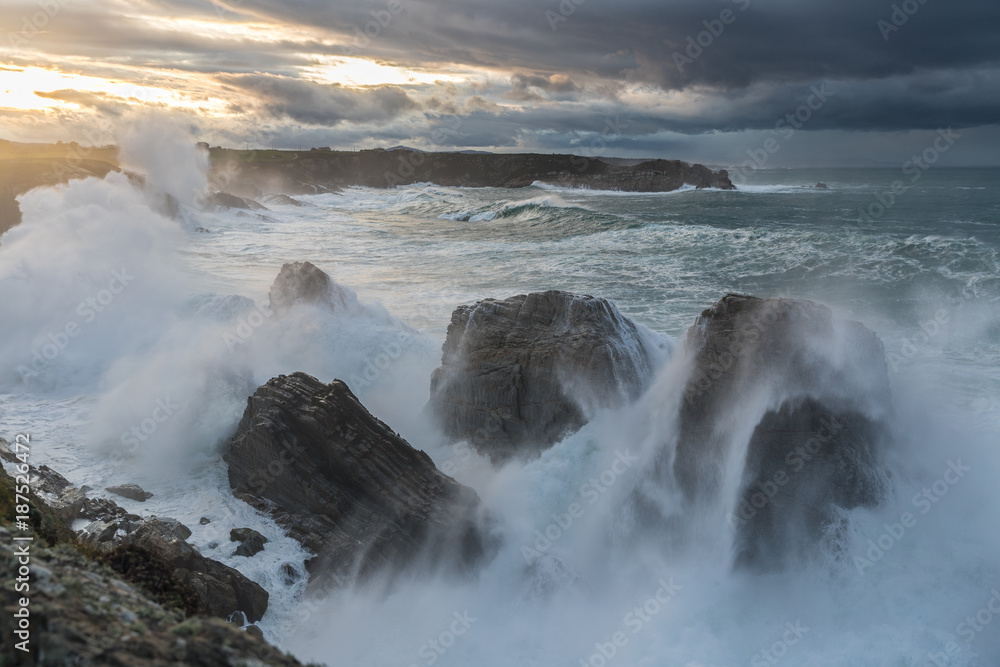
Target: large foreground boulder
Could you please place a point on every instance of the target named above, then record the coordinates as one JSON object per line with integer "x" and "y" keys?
{"x": 91, "y": 608}
{"x": 807, "y": 396}
{"x": 520, "y": 374}
{"x": 347, "y": 487}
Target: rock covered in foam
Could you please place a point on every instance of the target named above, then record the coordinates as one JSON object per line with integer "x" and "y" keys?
{"x": 304, "y": 282}
{"x": 347, "y": 487}
{"x": 817, "y": 389}
{"x": 518, "y": 375}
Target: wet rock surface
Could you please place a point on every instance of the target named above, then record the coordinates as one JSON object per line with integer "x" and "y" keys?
{"x": 518, "y": 375}
{"x": 347, "y": 487}
{"x": 123, "y": 607}
{"x": 821, "y": 387}
{"x": 304, "y": 282}
{"x": 130, "y": 491}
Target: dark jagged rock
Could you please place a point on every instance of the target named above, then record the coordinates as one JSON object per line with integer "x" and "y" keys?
{"x": 821, "y": 387}
{"x": 292, "y": 172}
{"x": 224, "y": 200}
{"x": 518, "y": 375}
{"x": 131, "y": 491}
{"x": 251, "y": 542}
{"x": 284, "y": 200}
{"x": 219, "y": 589}
{"x": 822, "y": 186}
{"x": 303, "y": 282}
{"x": 83, "y": 613}
{"x": 346, "y": 486}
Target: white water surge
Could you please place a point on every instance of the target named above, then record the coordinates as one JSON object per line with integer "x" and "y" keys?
{"x": 113, "y": 315}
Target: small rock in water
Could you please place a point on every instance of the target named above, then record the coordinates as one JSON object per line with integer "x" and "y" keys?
{"x": 204, "y": 521}
{"x": 255, "y": 631}
{"x": 132, "y": 491}
{"x": 289, "y": 574}
{"x": 251, "y": 542}
{"x": 822, "y": 186}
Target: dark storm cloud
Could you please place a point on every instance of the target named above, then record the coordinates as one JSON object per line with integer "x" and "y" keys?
{"x": 321, "y": 104}
{"x": 759, "y": 45}
{"x": 766, "y": 40}
{"x": 553, "y": 71}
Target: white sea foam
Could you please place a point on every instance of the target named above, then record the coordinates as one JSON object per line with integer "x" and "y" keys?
{"x": 169, "y": 335}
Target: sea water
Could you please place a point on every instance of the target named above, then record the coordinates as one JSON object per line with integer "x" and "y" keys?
{"x": 142, "y": 378}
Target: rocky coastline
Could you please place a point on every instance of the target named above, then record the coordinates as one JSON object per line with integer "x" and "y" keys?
{"x": 370, "y": 506}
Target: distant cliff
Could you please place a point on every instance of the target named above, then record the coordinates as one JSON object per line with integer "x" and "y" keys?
{"x": 251, "y": 173}
{"x": 18, "y": 175}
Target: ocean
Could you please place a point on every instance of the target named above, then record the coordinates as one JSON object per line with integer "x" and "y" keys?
{"x": 130, "y": 341}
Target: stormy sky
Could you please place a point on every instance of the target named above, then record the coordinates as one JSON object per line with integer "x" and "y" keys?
{"x": 825, "y": 82}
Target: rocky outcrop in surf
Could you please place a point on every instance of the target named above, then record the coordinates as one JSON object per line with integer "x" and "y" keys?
{"x": 347, "y": 487}
{"x": 303, "y": 282}
{"x": 215, "y": 589}
{"x": 224, "y": 200}
{"x": 816, "y": 390}
{"x": 518, "y": 375}
{"x": 111, "y": 604}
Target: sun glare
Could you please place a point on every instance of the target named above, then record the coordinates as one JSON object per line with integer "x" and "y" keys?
{"x": 351, "y": 71}
{"x": 19, "y": 90}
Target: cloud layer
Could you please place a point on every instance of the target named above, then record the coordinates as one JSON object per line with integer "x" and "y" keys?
{"x": 522, "y": 74}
